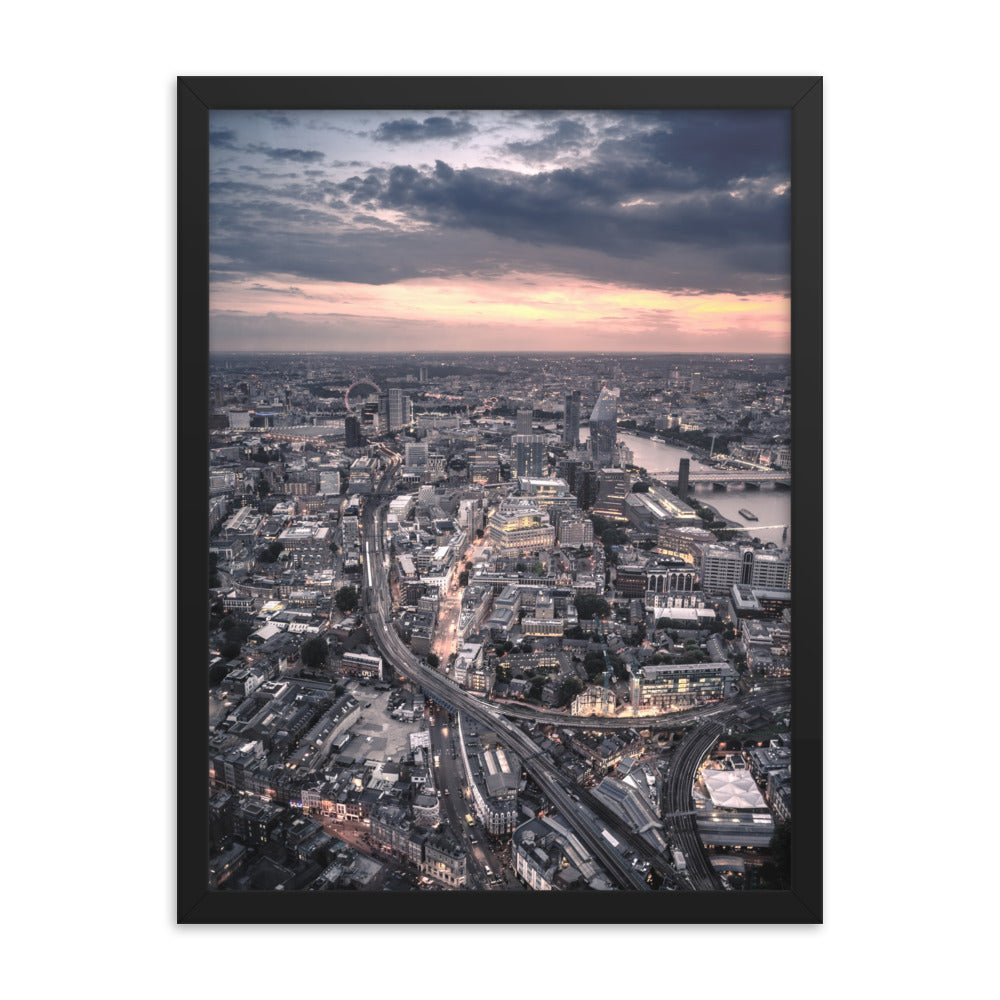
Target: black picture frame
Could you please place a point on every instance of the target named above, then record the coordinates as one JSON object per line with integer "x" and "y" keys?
{"x": 196, "y": 97}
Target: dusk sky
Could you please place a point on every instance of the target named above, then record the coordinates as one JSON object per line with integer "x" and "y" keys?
{"x": 500, "y": 230}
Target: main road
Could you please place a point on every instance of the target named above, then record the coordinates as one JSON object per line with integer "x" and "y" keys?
{"x": 455, "y": 805}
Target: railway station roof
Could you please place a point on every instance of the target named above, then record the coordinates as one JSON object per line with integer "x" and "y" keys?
{"x": 733, "y": 789}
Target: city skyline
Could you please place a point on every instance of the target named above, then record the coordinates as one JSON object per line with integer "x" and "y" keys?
{"x": 662, "y": 232}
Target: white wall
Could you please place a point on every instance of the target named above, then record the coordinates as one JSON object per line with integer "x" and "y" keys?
{"x": 89, "y": 229}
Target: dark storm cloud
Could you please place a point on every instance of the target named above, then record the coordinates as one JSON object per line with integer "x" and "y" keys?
{"x": 371, "y": 257}
{"x": 435, "y": 127}
{"x": 713, "y": 148}
{"x": 679, "y": 201}
{"x": 568, "y": 135}
{"x": 596, "y": 207}
{"x": 360, "y": 190}
{"x": 695, "y": 177}
{"x": 222, "y": 138}
{"x": 294, "y": 155}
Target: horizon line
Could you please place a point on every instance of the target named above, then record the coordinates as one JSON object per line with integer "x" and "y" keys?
{"x": 587, "y": 354}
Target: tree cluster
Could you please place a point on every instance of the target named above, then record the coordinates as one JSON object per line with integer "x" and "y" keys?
{"x": 590, "y": 606}
{"x": 571, "y": 687}
{"x": 235, "y": 633}
{"x": 346, "y": 598}
{"x": 270, "y": 553}
{"x": 314, "y": 652}
{"x": 593, "y": 663}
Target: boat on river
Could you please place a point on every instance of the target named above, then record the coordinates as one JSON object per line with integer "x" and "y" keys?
{"x": 748, "y": 514}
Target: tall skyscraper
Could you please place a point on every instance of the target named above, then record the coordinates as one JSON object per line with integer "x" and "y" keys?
{"x": 604, "y": 429}
{"x": 395, "y": 410}
{"x": 571, "y": 424}
{"x": 423, "y": 373}
{"x": 352, "y": 432}
{"x": 529, "y": 454}
{"x": 524, "y": 420}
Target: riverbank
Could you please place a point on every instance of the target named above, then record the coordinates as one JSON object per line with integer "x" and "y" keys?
{"x": 717, "y": 516}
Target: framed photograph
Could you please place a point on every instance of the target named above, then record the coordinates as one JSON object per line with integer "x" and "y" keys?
{"x": 503, "y": 399}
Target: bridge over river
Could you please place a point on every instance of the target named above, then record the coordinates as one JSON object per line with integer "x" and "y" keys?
{"x": 725, "y": 476}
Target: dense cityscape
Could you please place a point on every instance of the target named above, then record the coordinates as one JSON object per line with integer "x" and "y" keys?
{"x": 504, "y": 622}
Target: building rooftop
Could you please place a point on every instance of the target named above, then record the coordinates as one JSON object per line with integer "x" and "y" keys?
{"x": 733, "y": 789}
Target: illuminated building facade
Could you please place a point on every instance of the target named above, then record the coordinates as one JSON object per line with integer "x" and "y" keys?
{"x": 660, "y": 687}
{"x": 610, "y": 502}
{"x": 722, "y": 566}
{"x": 683, "y": 542}
{"x": 576, "y": 532}
{"x": 520, "y": 527}
{"x": 542, "y": 626}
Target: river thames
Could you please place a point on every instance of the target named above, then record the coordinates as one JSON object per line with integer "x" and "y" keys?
{"x": 772, "y": 505}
